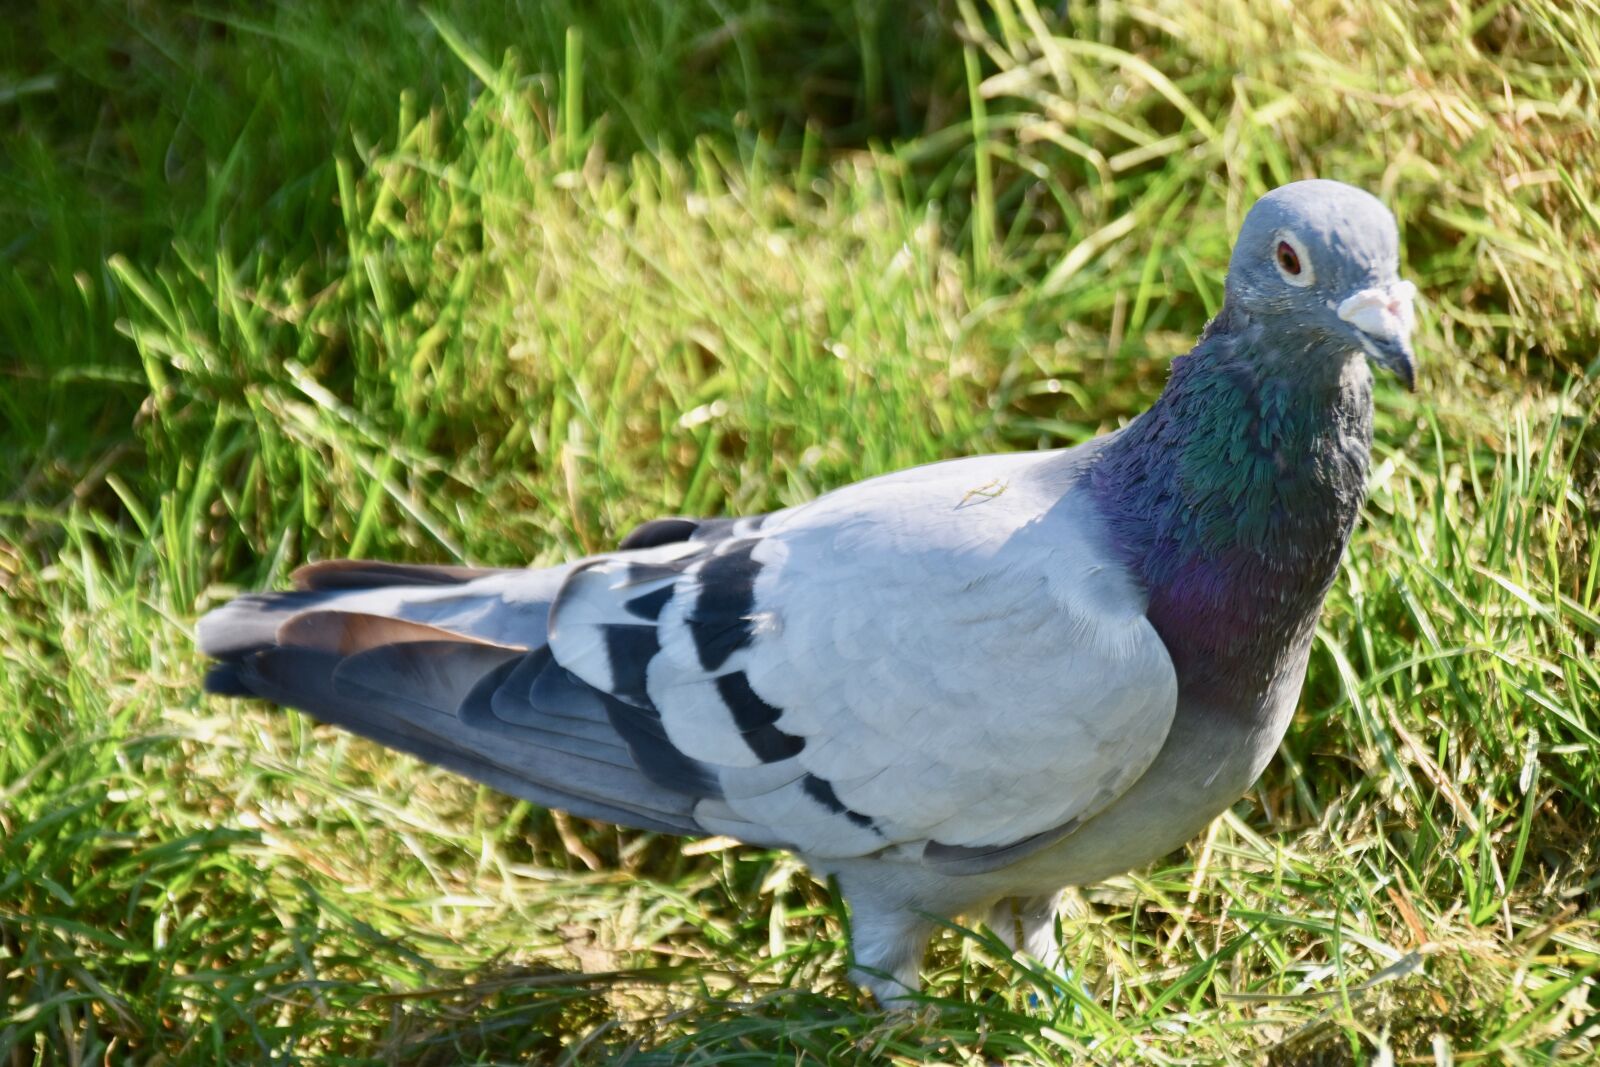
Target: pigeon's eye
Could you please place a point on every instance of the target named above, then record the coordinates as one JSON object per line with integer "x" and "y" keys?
{"x": 1288, "y": 259}
{"x": 1290, "y": 256}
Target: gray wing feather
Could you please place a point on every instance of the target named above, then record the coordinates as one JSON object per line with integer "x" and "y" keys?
{"x": 307, "y": 679}
{"x": 960, "y": 859}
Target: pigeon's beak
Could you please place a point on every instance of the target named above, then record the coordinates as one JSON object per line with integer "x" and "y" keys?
{"x": 1381, "y": 320}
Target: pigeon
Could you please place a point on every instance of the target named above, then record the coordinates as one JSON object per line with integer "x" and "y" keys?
{"x": 955, "y": 689}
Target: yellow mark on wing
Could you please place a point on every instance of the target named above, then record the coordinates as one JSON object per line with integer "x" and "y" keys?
{"x": 988, "y": 492}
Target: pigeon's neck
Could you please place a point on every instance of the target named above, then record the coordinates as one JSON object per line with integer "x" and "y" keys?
{"x": 1233, "y": 497}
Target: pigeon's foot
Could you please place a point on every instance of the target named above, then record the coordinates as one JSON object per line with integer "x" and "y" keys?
{"x": 1028, "y": 924}
{"x": 1031, "y": 925}
{"x": 891, "y": 993}
{"x": 889, "y": 942}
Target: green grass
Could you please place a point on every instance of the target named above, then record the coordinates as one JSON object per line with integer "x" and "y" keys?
{"x": 496, "y": 284}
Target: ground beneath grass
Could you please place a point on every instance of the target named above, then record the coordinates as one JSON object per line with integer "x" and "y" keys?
{"x": 497, "y": 283}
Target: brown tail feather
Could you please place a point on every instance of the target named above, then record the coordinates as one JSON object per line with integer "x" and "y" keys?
{"x": 369, "y": 573}
{"x": 349, "y": 632}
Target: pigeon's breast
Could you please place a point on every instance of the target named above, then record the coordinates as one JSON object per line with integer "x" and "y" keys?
{"x": 1212, "y": 755}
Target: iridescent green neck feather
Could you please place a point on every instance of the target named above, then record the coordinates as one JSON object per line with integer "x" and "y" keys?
{"x": 1234, "y": 495}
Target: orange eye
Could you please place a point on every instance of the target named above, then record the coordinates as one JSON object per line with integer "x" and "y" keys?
{"x": 1287, "y": 259}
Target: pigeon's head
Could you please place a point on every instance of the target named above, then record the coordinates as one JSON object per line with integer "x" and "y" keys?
{"x": 1321, "y": 260}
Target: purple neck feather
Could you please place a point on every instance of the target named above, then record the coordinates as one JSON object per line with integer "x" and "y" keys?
{"x": 1233, "y": 497}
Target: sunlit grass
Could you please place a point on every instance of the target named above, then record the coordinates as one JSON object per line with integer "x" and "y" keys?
{"x": 458, "y": 305}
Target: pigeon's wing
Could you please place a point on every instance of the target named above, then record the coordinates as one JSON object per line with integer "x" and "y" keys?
{"x": 946, "y": 664}
{"x": 677, "y": 528}
{"x": 452, "y": 666}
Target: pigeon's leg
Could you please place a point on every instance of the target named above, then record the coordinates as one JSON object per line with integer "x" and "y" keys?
{"x": 888, "y": 941}
{"x": 1028, "y": 924}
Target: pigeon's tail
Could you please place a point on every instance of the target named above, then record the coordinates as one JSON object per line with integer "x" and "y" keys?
{"x": 471, "y": 601}
{"x": 446, "y": 664}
